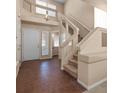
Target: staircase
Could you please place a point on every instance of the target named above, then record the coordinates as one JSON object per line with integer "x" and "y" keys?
{"x": 79, "y": 38}
{"x": 72, "y": 65}
{"x": 69, "y": 52}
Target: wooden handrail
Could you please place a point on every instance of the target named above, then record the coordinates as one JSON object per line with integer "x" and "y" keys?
{"x": 76, "y": 29}
{"x": 83, "y": 25}
{"x": 71, "y": 24}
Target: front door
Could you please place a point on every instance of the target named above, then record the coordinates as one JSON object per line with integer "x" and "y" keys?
{"x": 31, "y": 48}
{"x": 45, "y": 44}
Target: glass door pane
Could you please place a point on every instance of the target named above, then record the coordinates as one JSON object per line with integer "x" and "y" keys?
{"x": 45, "y": 43}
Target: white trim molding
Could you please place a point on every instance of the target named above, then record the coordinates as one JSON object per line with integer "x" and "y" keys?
{"x": 62, "y": 68}
{"x": 18, "y": 64}
{"x": 93, "y": 85}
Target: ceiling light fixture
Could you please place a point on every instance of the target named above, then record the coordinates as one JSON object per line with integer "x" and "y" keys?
{"x": 46, "y": 15}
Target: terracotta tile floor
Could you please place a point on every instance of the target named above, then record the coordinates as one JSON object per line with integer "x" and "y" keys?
{"x": 45, "y": 77}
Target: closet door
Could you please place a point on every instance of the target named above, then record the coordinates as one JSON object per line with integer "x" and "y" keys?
{"x": 31, "y": 48}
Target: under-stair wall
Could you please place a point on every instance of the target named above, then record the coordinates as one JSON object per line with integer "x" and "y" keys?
{"x": 92, "y": 59}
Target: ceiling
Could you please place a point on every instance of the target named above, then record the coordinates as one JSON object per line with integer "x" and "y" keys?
{"x": 97, "y": 1}
{"x": 102, "y": 4}
{"x": 60, "y": 1}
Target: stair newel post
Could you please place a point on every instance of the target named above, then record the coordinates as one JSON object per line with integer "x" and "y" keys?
{"x": 60, "y": 36}
{"x": 62, "y": 58}
{"x": 67, "y": 30}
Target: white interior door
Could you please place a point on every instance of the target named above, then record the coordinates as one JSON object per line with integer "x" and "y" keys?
{"x": 31, "y": 48}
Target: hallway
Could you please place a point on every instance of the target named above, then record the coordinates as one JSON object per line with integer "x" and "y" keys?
{"x": 45, "y": 77}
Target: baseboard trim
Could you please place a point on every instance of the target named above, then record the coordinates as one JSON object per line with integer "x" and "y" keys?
{"x": 81, "y": 83}
{"x": 93, "y": 85}
{"x": 62, "y": 68}
{"x": 18, "y": 67}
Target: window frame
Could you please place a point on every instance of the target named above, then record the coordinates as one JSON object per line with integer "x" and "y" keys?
{"x": 46, "y": 8}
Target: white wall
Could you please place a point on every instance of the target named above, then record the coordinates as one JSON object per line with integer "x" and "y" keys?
{"x": 40, "y": 27}
{"x": 81, "y": 10}
{"x": 91, "y": 74}
{"x": 93, "y": 44}
{"x": 33, "y": 17}
{"x": 18, "y": 37}
{"x": 101, "y": 4}
{"x": 100, "y": 19}
{"x": 18, "y": 32}
{"x": 59, "y": 6}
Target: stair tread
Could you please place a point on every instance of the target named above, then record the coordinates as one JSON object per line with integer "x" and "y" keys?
{"x": 76, "y": 54}
{"x": 71, "y": 68}
{"x": 73, "y": 61}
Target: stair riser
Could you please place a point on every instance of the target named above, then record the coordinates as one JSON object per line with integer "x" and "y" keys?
{"x": 72, "y": 63}
{"x": 70, "y": 72}
{"x": 75, "y": 57}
